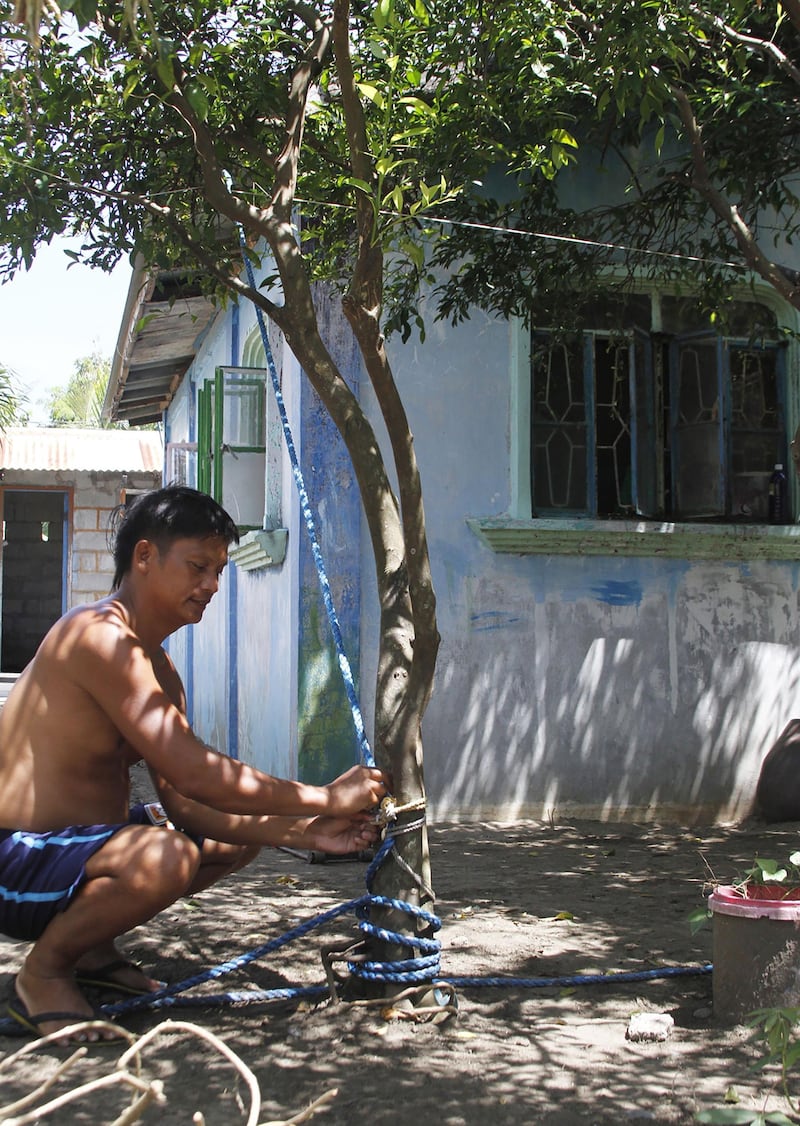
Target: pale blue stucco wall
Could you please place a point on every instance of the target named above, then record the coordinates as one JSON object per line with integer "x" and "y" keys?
{"x": 603, "y": 686}
{"x": 239, "y": 663}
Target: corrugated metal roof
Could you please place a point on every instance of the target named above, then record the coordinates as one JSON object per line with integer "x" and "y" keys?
{"x": 65, "y": 448}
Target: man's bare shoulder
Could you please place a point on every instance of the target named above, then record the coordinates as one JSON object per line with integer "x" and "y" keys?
{"x": 102, "y": 625}
{"x": 92, "y": 648}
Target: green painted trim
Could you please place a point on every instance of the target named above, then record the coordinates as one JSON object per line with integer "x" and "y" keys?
{"x": 657, "y": 539}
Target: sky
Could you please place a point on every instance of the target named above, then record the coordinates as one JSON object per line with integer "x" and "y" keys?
{"x": 51, "y": 316}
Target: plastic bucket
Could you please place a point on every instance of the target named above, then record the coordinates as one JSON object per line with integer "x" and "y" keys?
{"x": 756, "y": 951}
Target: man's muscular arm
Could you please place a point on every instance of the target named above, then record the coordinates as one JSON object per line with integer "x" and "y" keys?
{"x": 110, "y": 662}
{"x": 328, "y": 834}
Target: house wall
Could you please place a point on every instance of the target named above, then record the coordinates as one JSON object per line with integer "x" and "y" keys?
{"x": 602, "y": 686}
{"x": 595, "y": 686}
{"x": 239, "y": 665}
{"x": 260, "y": 670}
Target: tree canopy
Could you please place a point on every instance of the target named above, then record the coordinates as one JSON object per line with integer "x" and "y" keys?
{"x": 673, "y": 153}
{"x": 686, "y": 115}
{"x": 13, "y": 402}
{"x": 80, "y": 401}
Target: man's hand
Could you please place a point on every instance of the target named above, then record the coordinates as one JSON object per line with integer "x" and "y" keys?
{"x": 341, "y": 835}
{"x": 360, "y": 788}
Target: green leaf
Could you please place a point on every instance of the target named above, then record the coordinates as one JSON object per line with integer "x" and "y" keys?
{"x": 354, "y": 182}
{"x": 133, "y": 81}
{"x": 197, "y": 99}
{"x": 372, "y": 93}
{"x": 418, "y": 105}
{"x": 144, "y": 321}
{"x": 85, "y": 11}
{"x": 385, "y": 165}
{"x": 383, "y": 13}
{"x": 165, "y": 72}
{"x": 421, "y": 12}
{"x": 562, "y": 137}
{"x": 699, "y": 919}
{"x": 771, "y": 871}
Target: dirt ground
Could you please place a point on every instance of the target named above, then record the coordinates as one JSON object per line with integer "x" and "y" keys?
{"x": 526, "y": 900}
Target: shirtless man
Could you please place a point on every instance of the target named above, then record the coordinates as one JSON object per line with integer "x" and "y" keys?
{"x": 76, "y": 869}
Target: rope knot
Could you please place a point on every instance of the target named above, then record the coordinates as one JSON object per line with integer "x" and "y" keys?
{"x": 388, "y": 811}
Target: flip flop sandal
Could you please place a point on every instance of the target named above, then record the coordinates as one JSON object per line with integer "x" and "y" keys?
{"x": 103, "y": 978}
{"x": 18, "y": 1011}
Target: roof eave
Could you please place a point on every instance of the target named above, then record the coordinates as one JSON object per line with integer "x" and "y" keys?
{"x": 165, "y": 335}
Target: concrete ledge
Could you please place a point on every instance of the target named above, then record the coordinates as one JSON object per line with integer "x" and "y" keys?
{"x": 260, "y": 549}
{"x": 727, "y": 542}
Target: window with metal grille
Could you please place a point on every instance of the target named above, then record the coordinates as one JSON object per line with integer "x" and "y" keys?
{"x": 658, "y": 416}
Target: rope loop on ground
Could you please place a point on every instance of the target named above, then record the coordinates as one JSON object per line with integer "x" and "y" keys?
{"x": 421, "y": 967}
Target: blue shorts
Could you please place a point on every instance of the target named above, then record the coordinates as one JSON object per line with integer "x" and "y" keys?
{"x": 40, "y": 873}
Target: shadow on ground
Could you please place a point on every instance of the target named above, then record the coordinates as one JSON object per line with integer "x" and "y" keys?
{"x": 522, "y": 900}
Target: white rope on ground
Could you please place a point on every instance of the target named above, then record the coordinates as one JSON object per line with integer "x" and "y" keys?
{"x": 127, "y": 1071}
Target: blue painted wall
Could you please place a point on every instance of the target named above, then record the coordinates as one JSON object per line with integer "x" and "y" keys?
{"x": 602, "y": 686}
{"x": 326, "y": 737}
{"x": 597, "y": 686}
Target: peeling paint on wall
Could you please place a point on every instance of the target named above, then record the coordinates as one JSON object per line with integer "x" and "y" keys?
{"x": 617, "y": 592}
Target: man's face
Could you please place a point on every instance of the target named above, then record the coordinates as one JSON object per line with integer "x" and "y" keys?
{"x": 188, "y": 574}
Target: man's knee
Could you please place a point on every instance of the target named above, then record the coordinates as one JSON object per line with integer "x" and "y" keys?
{"x": 148, "y": 860}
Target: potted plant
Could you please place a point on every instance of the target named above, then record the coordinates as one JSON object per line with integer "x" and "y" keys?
{"x": 771, "y": 879}
{"x": 756, "y": 947}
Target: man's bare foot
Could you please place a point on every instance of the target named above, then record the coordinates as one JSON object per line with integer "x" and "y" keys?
{"x": 105, "y": 968}
{"x": 48, "y": 1004}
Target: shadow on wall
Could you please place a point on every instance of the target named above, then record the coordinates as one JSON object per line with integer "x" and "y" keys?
{"x": 604, "y": 724}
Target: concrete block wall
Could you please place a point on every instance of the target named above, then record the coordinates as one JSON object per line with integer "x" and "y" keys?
{"x": 92, "y": 564}
{"x": 96, "y": 496}
{"x": 92, "y": 499}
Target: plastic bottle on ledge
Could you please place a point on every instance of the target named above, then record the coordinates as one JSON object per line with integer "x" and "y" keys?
{"x": 778, "y": 496}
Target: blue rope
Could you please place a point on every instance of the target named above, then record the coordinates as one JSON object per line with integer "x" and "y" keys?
{"x": 577, "y": 979}
{"x": 10, "y": 1027}
{"x": 344, "y": 664}
{"x": 163, "y": 996}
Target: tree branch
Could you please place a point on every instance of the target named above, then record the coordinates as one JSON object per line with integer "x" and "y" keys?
{"x": 727, "y": 211}
{"x": 764, "y": 47}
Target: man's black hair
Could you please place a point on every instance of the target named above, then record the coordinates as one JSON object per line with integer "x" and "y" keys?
{"x": 174, "y": 512}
